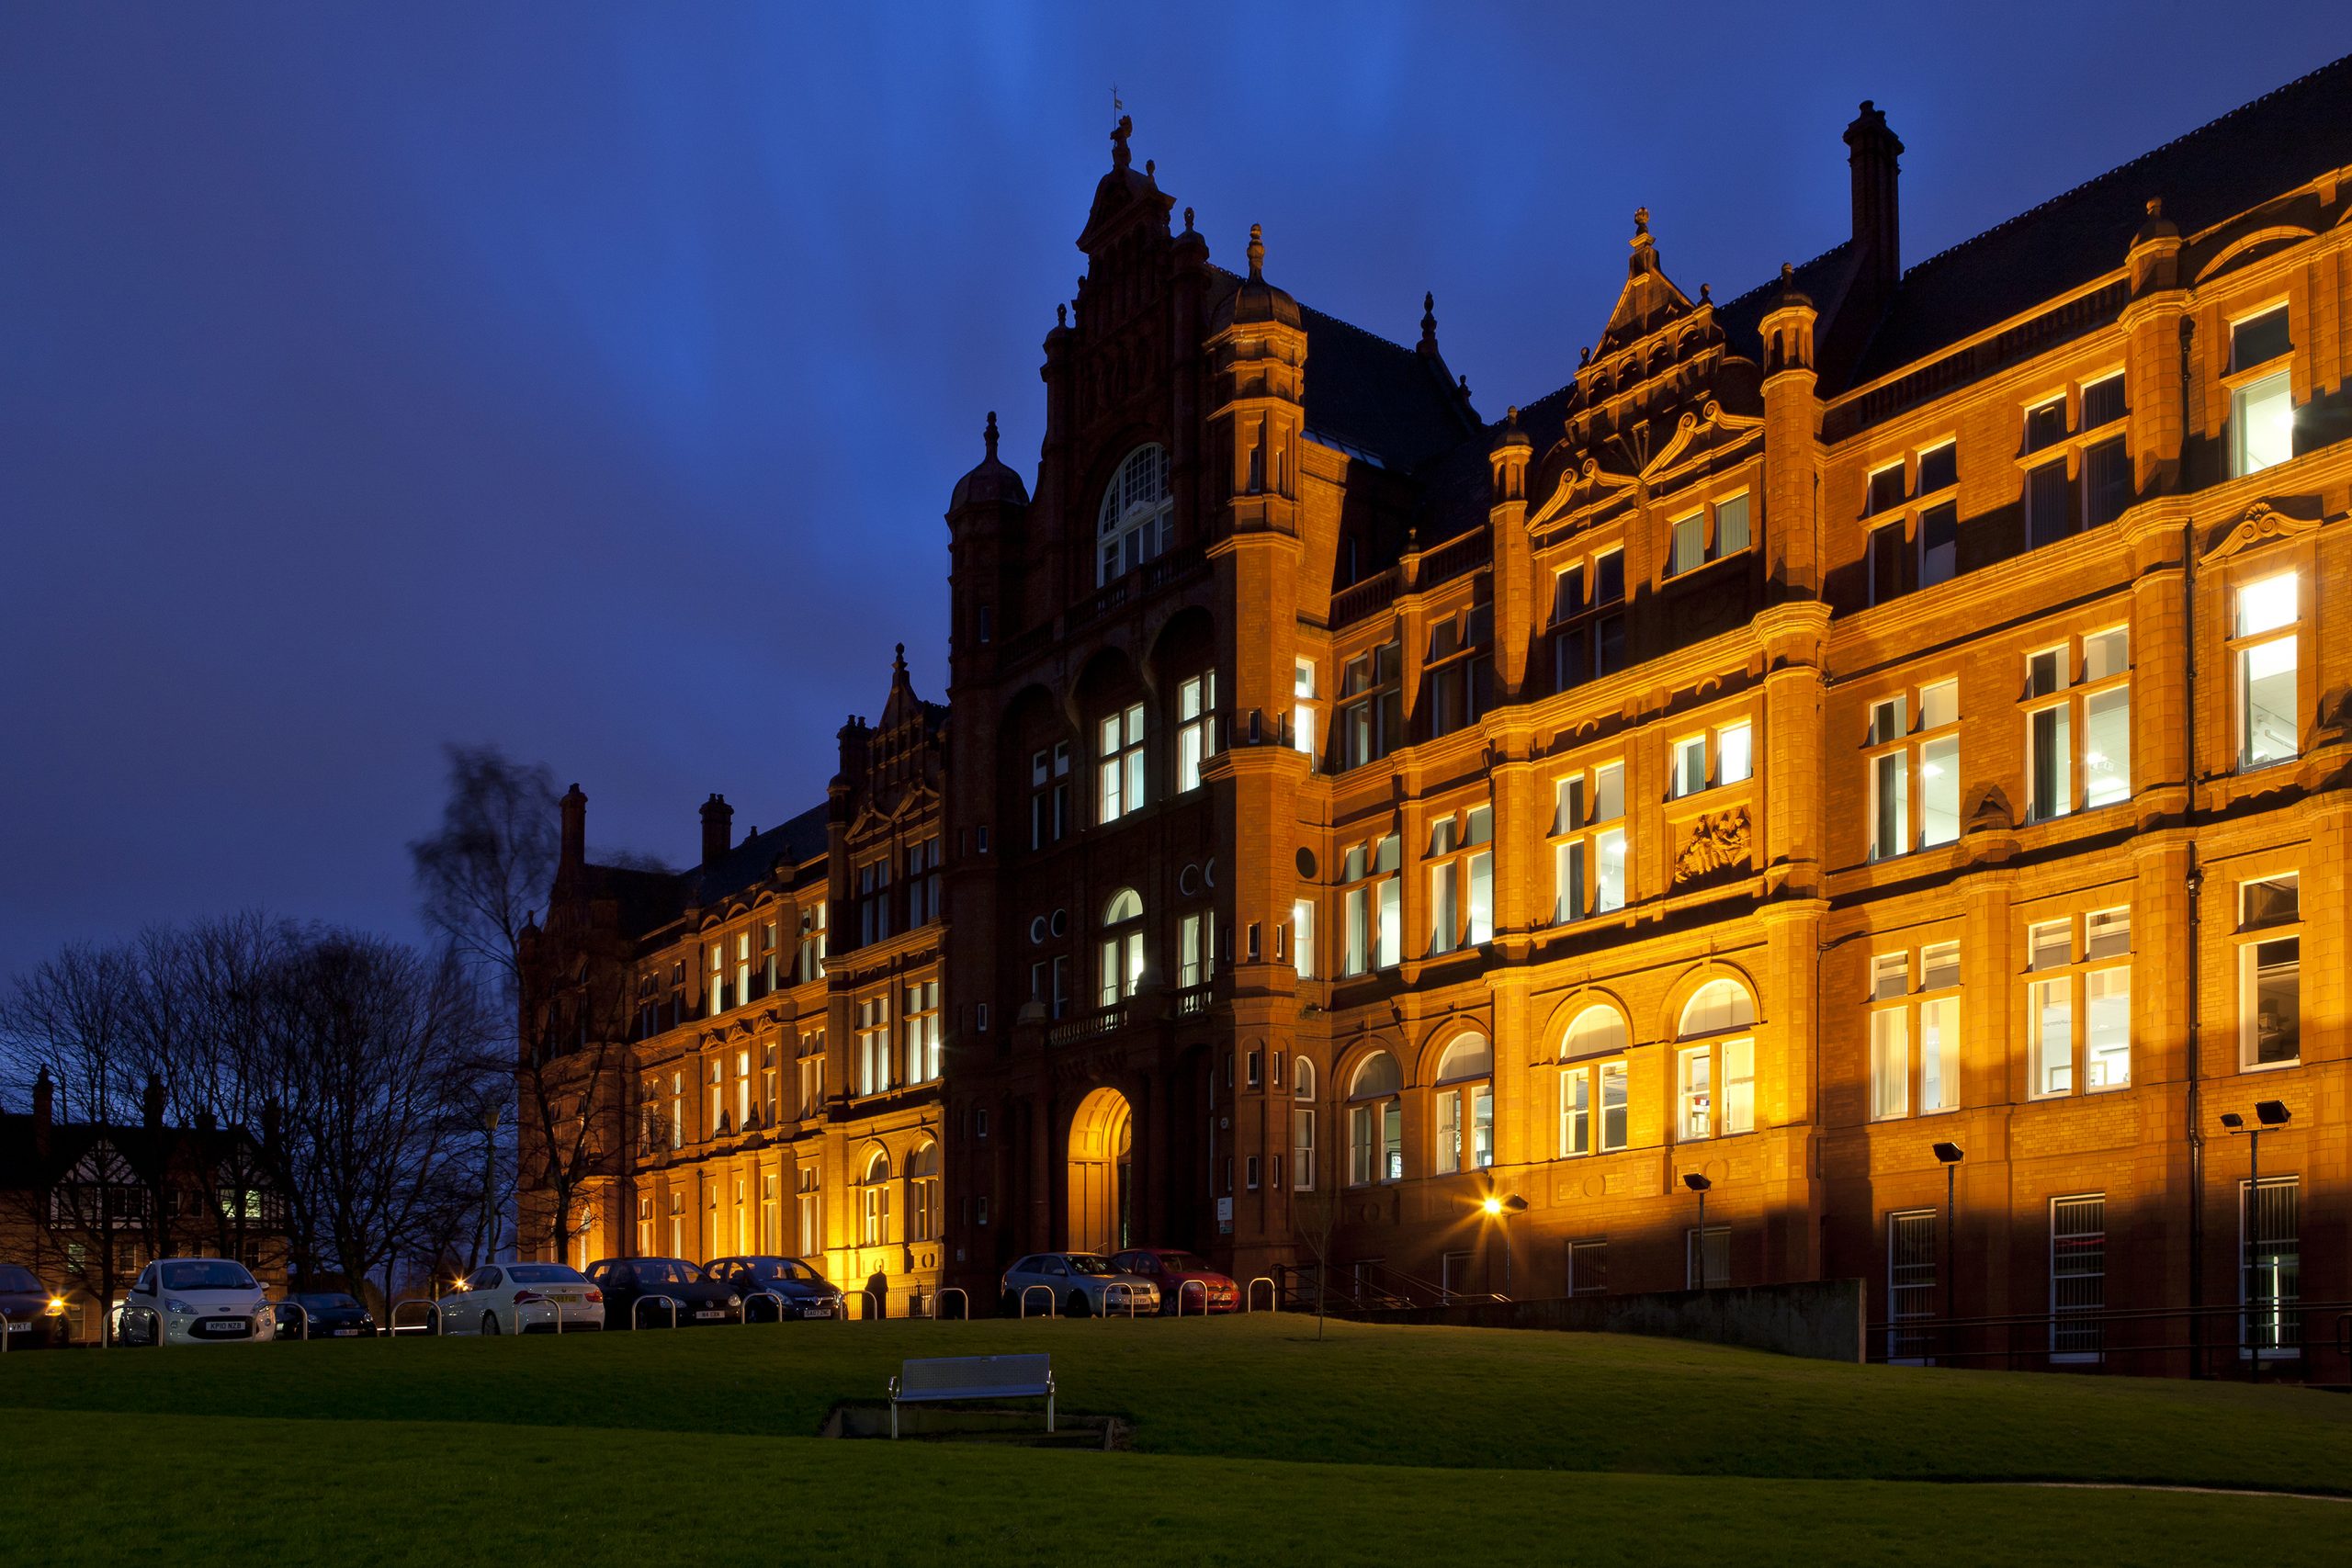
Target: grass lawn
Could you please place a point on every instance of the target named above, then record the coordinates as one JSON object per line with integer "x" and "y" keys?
{"x": 1253, "y": 1442}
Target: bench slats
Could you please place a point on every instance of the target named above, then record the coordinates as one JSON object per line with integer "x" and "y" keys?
{"x": 940, "y": 1379}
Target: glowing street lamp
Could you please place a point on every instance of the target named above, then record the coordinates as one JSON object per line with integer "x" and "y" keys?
{"x": 1502, "y": 1209}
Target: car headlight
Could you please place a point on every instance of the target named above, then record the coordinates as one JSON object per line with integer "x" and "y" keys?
{"x": 734, "y": 1301}
{"x": 56, "y": 1307}
{"x": 173, "y": 1304}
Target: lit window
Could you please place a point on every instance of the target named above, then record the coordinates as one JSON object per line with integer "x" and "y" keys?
{"x": 1302, "y": 728}
{"x": 922, "y": 1020}
{"x": 1376, "y": 1123}
{"x": 1301, "y": 1124}
{"x": 1913, "y": 775}
{"x": 1121, "y": 765}
{"x": 1122, "y": 969}
{"x": 1915, "y": 1042}
{"x": 1589, "y": 843}
{"x": 2270, "y": 993}
{"x": 2262, "y": 409}
{"x": 1372, "y": 713}
{"x": 2079, "y": 1009}
{"x": 1466, "y": 1106}
{"x": 1589, "y": 629}
{"x": 2265, "y": 653}
{"x": 1196, "y": 728}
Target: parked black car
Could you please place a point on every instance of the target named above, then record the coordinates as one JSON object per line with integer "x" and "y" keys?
{"x": 35, "y": 1314}
{"x": 627, "y": 1280}
{"x": 333, "y": 1315}
{"x": 805, "y": 1292}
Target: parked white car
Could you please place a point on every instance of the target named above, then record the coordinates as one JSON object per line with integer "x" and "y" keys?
{"x": 523, "y": 1297}
{"x": 195, "y": 1301}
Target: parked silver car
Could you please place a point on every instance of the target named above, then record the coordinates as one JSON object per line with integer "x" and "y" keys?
{"x": 1081, "y": 1283}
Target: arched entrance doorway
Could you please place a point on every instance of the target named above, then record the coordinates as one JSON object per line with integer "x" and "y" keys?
{"x": 1102, "y": 1152}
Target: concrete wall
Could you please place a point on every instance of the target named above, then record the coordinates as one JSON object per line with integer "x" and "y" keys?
{"x": 1821, "y": 1318}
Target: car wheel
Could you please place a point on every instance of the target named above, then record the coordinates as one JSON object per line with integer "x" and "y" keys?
{"x": 1078, "y": 1306}
{"x": 489, "y": 1323}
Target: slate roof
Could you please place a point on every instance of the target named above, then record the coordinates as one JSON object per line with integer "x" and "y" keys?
{"x": 1372, "y": 395}
{"x": 2281, "y": 140}
{"x": 21, "y": 1171}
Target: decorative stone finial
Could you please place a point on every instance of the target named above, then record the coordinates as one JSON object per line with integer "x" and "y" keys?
{"x": 1788, "y": 277}
{"x": 2156, "y": 206}
{"x": 990, "y": 438}
{"x": 1257, "y": 253}
{"x": 1706, "y": 293}
{"x": 1188, "y": 221}
{"x": 1461, "y": 385}
{"x": 1429, "y": 323}
{"x": 1061, "y": 315}
{"x": 1119, "y": 134}
{"x": 1641, "y": 224}
{"x": 900, "y": 664}
{"x": 1149, "y": 168}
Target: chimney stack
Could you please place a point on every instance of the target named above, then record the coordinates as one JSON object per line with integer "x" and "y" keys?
{"x": 718, "y": 830}
{"x": 151, "y": 1103}
{"x": 1878, "y": 230}
{"x": 575, "y": 829}
{"x": 44, "y": 1098}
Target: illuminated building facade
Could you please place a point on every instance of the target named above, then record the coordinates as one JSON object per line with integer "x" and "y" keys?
{"x": 1885, "y": 709}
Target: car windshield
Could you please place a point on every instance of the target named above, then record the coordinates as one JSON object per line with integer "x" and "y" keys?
{"x": 1089, "y": 1263}
{"x": 1185, "y": 1263}
{"x": 785, "y": 1268}
{"x": 14, "y": 1278}
{"x": 330, "y": 1302}
{"x": 207, "y": 1274}
{"x": 667, "y": 1271}
{"x": 546, "y": 1274}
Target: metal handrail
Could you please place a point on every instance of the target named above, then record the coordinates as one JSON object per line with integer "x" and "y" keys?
{"x": 1249, "y": 1295}
{"x": 1200, "y": 1285}
{"x": 1053, "y": 1302}
{"x": 4, "y": 1332}
{"x": 298, "y": 1306}
{"x": 1119, "y": 1285}
{"x": 392, "y": 1323}
{"x": 945, "y": 1290}
{"x": 162, "y": 1335}
{"x": 755, "y": 1295}
{"x": 670, "y": 1301}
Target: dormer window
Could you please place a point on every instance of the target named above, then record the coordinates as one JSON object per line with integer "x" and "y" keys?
{"x": 1138, "y": 518}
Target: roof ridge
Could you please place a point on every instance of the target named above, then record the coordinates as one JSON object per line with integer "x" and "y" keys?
{"x": 1305, "y": 308}
{"x": 1739, "y": 299}
{"x": 2126, "y": 166}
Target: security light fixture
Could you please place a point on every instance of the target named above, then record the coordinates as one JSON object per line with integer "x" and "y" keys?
{"x": 1950, "y": 1154}
{"x": 2271, "y": 1113}
{"x": 1696, "y": 1182}
{"x": 1493, "y": 1205}
{"x": 2232, "y": 1121}
{"x": 1514, "y": 1204}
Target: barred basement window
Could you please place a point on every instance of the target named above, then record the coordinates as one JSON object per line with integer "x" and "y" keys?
{"x": 1911, "y": 1294}
{"x": 2077, "y": 1277}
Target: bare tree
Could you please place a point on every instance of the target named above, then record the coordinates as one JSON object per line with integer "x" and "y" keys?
{"x": 491, "y": 864}
{"x": 65, "y": 1032}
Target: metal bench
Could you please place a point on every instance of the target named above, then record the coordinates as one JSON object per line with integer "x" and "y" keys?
{"x": 939, "y": 1379}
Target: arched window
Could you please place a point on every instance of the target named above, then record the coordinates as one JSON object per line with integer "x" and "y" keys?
{"x": 1376, "y": 1123}
{"x": 1302, "y": 1125}
{"x": 874, "y": 1200}
{"x": 1465, "y": 1105}
{"x": 1715, "y": 1007}
{"x": 922, "y": 1194}
{"x": 1121, "y": 947}
{"x": 1138, "y": 518}
{"x": 1721, "y": 1007}
{"x": 1597, "y": 1032}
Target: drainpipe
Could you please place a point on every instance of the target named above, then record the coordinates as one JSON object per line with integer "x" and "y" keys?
{"x": 2195, "y": 883}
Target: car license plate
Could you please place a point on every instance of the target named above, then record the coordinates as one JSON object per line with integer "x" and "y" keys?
{"x": 345, "y": 1333}
{"x": 19, "y": 1327}
{"x": 221, "y": 1325}
{"x": 817, "y": 1312}
{"x": 710, "y": 1314}
{"x": 566, "y": 1297}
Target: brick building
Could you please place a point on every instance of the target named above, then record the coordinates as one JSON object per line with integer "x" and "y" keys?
{"x": 775, "y": 1089}
{"x": 1887, "y": 708}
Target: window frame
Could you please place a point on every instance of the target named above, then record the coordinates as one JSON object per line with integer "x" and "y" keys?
{"x": 1912, "y": 741}
{"x": 1130, "y": 532}
{"x": 1585, "y": 628}
{"x": 2249, "y": 939}
{"x": 1578, "y": 840}
{"x": 2076, "y": 978}
{"x": 2241, "y": 644}
{"x": 2241, "y": 381}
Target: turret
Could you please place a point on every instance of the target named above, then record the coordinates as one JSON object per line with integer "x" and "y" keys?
{"x": 1514, "y": 577}
{"x": 987, "y": 532}
{"x": 1791, "y": 450}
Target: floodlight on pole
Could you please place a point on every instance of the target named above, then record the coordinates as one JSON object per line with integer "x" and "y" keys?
{"x": 2270, "y": 1114}
{"x": 1699, "y": 1183}
{"x": 1950, "y": 1155}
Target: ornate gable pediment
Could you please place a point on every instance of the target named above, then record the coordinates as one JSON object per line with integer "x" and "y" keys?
{"x": 2263, "y": 524}
{"x": 1650, "y": 300}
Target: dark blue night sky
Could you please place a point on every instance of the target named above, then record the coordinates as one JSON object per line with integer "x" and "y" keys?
{"x": 592, "y": 379}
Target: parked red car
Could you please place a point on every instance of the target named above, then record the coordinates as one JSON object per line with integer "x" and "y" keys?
{"x": 1174, "y": 1270}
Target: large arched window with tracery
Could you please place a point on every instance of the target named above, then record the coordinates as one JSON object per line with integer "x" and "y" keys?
{"x": 1465, "y": 1105}
{"x": 1138, "y": 518}
{"x": 1716, "y": 1049}
{"x": 1376, "y": 1122}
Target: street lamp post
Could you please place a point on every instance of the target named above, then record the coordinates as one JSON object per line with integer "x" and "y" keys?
{"x": 1699, "y": 1184}
{"x": 2267, "y": 1114}
{"x": 1502, "y": 1209}
{"x": 1952, "y": 1155}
